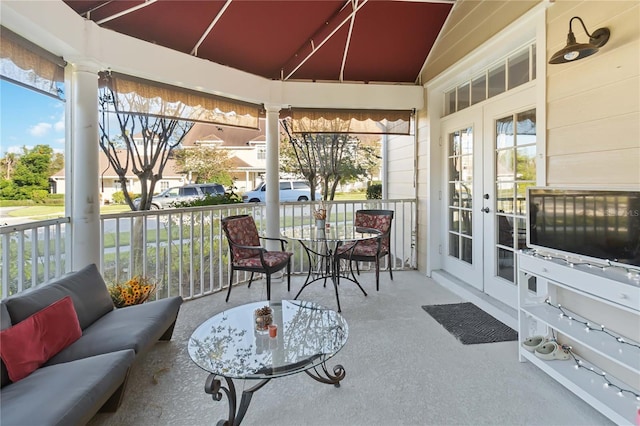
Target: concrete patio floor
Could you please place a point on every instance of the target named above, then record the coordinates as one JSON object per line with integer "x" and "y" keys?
{"x": 402, "y": 368}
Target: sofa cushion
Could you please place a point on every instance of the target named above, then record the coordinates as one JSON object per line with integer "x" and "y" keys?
{"x": 32, "y": 342}
{"x": 135, "y": 327}
{"x": 65, "y": 394}
{"x": 86, "y": 287}
{"x": 5, "y": 322}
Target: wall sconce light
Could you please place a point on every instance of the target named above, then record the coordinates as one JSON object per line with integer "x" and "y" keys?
{"x": 575, "y": 51}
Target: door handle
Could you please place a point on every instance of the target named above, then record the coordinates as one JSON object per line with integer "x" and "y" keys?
{"x": 486, "y": 210}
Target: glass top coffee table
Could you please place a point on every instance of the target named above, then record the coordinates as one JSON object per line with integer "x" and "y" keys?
{"x": 228, "y": 346}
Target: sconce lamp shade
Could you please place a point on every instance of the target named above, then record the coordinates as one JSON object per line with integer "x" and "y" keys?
{"x": 574, "y": 51}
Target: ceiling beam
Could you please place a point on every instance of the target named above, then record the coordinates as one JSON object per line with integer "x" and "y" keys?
{"x": 335, "y": 30}
{"x": 354, "y": 4}
{"x": 213, "y": 23}
{"x": 126, "y": 12}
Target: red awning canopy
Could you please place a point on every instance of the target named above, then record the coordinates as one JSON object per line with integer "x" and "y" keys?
{"x": 329, "y": 40}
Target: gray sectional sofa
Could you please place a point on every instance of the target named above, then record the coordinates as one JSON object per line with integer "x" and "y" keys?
{"x": 90, "y": 374}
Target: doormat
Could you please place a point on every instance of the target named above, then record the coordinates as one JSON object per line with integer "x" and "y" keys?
{"x": 470, "y": 324}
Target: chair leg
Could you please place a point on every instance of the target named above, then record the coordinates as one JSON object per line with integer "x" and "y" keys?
{"x": 357, "y": 267}
{"x": 390, "y": 268}
{"x": 268, "y": 286}
{"x": 289, "y": 275}
{"x": 250, "y": 279}
{"x": 230, "y": 282}
{"x": 377, "y": 273}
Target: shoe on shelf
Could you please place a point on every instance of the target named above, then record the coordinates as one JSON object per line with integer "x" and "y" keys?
{"x": 531, "y": 343}
{"x": 549, "y": 351}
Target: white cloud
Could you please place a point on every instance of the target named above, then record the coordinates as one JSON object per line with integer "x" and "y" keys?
{"x": 58, "y": 126}
{"x": 17, "y": 149}
{"x": 40, "y": 129}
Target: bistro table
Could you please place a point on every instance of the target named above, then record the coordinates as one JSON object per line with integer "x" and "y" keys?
{"x": 228, "y": 346}
{"x": 321, "y": 246}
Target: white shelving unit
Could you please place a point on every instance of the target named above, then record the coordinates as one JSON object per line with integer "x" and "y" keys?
{"x": 612, "y": 287}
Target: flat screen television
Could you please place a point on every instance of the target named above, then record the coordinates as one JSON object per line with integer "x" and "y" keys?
{"x": 603, "y": 225}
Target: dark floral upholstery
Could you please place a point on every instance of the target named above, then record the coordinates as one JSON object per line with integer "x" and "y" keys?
{"x": 242, "y": 235}
{"x": 380, "y": 222}
{"x": 271, "y": 259}
{"x": 373, "y": 249}
{"x": 242, "y": 231}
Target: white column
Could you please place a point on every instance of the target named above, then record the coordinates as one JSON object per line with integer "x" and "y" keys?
{"x": 83, "y": 172}
{"x": 273, "y": 175}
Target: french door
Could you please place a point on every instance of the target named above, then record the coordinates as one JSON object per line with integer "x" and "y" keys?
{"x": 490, "y": 161}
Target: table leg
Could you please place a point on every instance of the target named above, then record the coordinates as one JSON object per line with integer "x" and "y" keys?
{"x": 327, "y": 377}
{"x": 213, "y": 386}
{"x": 336, "y": 269}
{"x": 325, "y": 266}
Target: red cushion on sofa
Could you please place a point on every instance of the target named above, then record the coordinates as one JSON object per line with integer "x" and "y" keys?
{"x": 30, "y": 343}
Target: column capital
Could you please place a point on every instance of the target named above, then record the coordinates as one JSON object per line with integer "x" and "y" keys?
{"x": 272, "y": 107}
{"x": 85, "y": 66}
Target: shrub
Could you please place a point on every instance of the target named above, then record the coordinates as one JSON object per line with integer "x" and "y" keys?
{"x": 118, "y": 197}
{"x": 374, "y": 191}
{"x": 210, "y": 200}
{"x": 39, "y": 195}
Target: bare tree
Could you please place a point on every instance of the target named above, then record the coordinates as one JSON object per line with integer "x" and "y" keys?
{"x": 141, "y": 144}
{"x": 328, "y": 159}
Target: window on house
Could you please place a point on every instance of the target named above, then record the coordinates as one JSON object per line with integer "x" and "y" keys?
{"x": 261, "y": 153}
{"x": 513, "y": 71}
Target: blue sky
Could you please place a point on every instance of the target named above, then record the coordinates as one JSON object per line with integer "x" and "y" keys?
{"x": 28, "y": 118}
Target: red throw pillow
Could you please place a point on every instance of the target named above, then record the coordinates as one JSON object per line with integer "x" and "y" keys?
{"x": 32, "y": 342}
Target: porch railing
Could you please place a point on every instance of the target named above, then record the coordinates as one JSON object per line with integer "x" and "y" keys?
{"x": 183, "y": 250}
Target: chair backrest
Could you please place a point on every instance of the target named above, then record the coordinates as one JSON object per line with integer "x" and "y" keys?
{"x": 241, "y": 230}
{"x": 377, "y": 219}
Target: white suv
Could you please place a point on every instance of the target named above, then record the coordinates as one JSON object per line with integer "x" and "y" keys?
{"x": 178, "y": 194}
{"x": 290, "y": 190}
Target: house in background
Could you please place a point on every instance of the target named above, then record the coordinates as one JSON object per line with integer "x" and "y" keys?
{"x": 109, "y": 181}
{"x": 247, "y": 149}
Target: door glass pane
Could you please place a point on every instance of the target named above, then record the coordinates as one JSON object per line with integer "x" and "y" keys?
{"x": 454, "y": 143}
{"x": 521, "y": 197}
{"x": 454, "y": 245}
{"x": 505, "y": 231}
{"x": 466, "y": 169}
{"x": 526, "y": 163}
{"x": 466, "y": 249}
{"x": 504, "y": 164}
{"x": 454, "y": 220}
{"x": 505, "y": 264}
{"x": 478, "y": 90}
{"x": 504, "y": 197}
{"x": 521, "y": 234}
{"x": 515, "y": 155}
{"x": 518, "y": 69}
{"x": 465, "y": 222}
{"x": 496, "y": 80}
{"x": 504, "y": 132}
{"x": 460, "y": 163}
{"x": 526, "y": 128}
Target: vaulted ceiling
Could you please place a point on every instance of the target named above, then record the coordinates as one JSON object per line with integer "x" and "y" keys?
{"x": 369, "y": 41}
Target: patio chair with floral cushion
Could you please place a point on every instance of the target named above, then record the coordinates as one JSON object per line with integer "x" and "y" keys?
{"x": 371, "y": 250}
{"x": 247, "y": 254}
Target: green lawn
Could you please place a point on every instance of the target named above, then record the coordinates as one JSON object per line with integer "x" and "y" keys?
{"x": 42, "y": 212}
{"x": 51, "y": 212}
